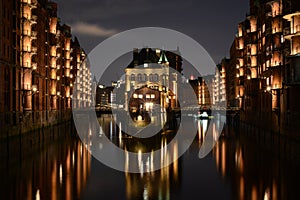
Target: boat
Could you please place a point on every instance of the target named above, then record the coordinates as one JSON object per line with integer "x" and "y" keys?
{"x": 203, "y": 115}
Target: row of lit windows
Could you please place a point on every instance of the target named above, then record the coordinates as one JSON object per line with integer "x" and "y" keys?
{"x": 140, "y": 96}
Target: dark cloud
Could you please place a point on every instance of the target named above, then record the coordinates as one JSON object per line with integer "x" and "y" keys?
{"x": 212, "y": 23}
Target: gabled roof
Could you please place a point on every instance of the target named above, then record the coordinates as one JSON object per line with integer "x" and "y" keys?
{"x": 163, "y": 58}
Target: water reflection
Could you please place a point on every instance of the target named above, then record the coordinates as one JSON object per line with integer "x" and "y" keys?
{"x": 153, "y": 185}
{"x": 242, "y": 165}
{"x": 257, "y": 168}
{"x": 58, "y": 171}
{"x": 161, "y": 184}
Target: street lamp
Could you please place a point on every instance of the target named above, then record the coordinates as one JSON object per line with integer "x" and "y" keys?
{"x": 34, "y": 89}
{"x": 30, "y": 92}
{"x": 26, "y": 93}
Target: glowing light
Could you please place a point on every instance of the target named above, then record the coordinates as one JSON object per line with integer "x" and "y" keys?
{"x": 140, "y": 162}
{"x": 126, "y": 160}
{"x": 145, "y": 194}
{"x": 34, "y": 88}
{"x": 73, "y": 158}
{"x": 205, "y": 125}
{"x": 267, "y": 195}
{"x": 120, "y": 134}
{"x": 60, "y": 174}
{"x": 37, "y": 195}
{"x": 139, "y": 118}
{"x": 149, "y": 106}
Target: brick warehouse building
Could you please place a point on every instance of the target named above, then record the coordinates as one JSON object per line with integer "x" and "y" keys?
{"x": 265, "y": 58}
{"x": 39, "y": 61}
{"x": 150, "y": 70}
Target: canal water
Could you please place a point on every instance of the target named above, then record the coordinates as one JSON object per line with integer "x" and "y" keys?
{"x": 244, "y": 164}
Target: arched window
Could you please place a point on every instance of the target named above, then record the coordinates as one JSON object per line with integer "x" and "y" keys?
{"x": 144, "y": 78}
{"x": 151, "y": 77}
{"x": 132, "y": 77}
{"x": 155, "y": 78}
{"x": 139, "y": 77}
{"x": 164, "y": 79}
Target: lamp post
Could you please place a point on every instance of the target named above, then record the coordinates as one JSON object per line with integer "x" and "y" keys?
{"x": 28, "y": 93}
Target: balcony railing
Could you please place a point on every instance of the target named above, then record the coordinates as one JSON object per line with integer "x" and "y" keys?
{"x": 33, "y": 49}
{"x": 26, "y": 32}
{"x": 275, "y": 13}
{"x": 26, "y": 64}
{"x": 296, "y": 29}
{"x": 33, "y": 35}
{"x": 34, "y": 18}
{"x": 287, "y": 31}
{"x": 276, "y": 30}
{"x": 269, "y": 14}
{"x": 34, "y": 65}
{"x": 297, "y": 50}
{"x": 26, "y": 15}
{"x": 26, "y": 86}
{"x": 26, "y": 48}
{"x": 31, "y": 3}
{"x": 292, "y": 30}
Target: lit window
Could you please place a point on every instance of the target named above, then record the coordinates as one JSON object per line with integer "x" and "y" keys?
{"x": 140, "y": 96}
{"x": 148, "y": 96}
{"x": 135, "y": 96}
{"x": 282, "y": 39}
{"x": 152, "y": 96}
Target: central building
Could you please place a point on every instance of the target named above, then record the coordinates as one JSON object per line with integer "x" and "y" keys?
{"x": 150, "y": 82}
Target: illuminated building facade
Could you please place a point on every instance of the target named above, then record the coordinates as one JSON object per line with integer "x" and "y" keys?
{"x": 104, "y": 97}
{"x": 219, "y": 91}
{"x": 265, "y": 56}
{"x": 291, "y": 32}
{"x": 204, "y": 90}
{"x": 150, "y": 81}
{"x": 37, "y": 65}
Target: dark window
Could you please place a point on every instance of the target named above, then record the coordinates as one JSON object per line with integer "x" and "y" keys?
{"x": 151, "y": 77}
{"x": 132, "y": 77}
{"x": 155, "y": 79}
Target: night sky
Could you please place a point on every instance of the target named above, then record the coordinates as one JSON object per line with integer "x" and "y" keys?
{"x": 212, "y": 23}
